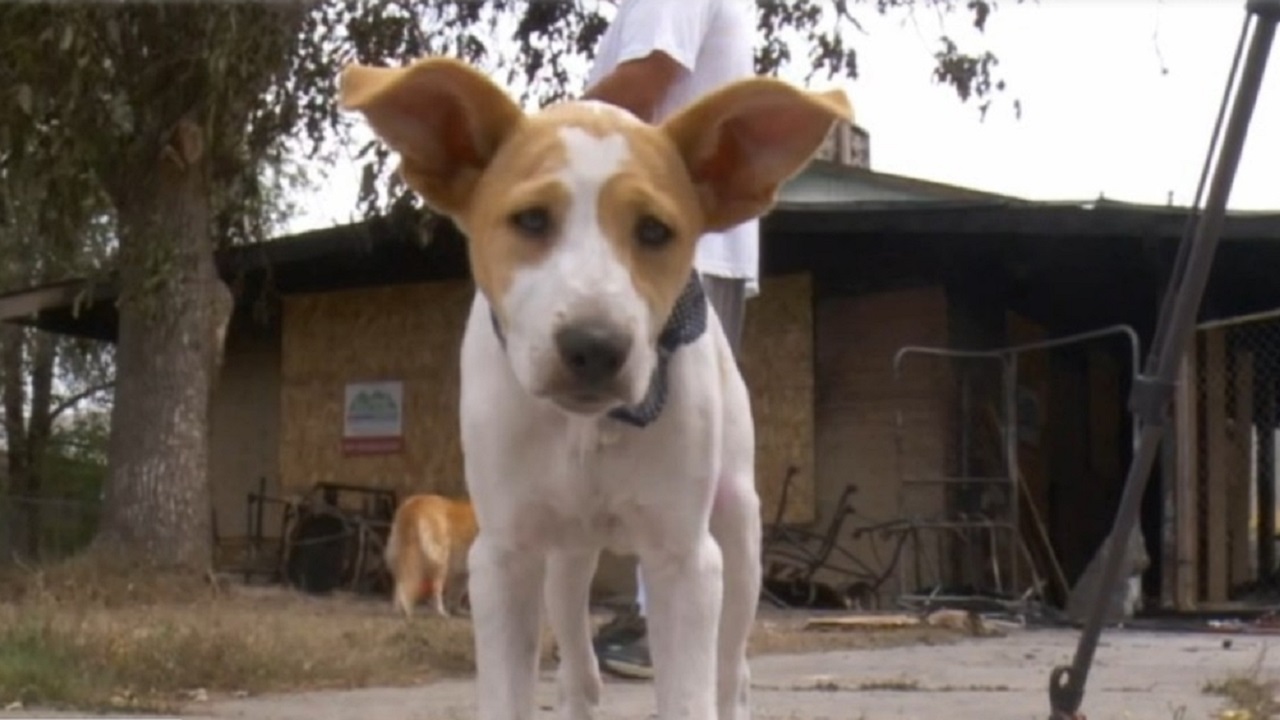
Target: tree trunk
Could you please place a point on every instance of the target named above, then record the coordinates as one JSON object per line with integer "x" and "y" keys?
{"x": 39, "y": 428}
{"x": 28, "y": 435}
{"x": 157, "y": 501}
{"x": 13, "y": 339}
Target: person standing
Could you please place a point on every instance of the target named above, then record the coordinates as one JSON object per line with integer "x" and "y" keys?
{"x": 655, "y": 57}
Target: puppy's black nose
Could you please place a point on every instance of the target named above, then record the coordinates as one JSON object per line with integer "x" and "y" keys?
{"x": 594, "y": 352}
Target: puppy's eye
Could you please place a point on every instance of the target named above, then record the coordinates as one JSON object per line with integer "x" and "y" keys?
{"x": 534, "y": 222}
{"x": 652, "y": 232}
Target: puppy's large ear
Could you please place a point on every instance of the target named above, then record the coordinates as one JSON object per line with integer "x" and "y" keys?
{"x": 444, "y": 118}
{"x": 743, "y": 141}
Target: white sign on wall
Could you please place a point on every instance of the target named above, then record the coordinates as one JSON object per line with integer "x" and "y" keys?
{"x": 373, "y": 418}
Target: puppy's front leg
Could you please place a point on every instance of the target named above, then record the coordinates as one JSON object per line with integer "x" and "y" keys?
{"x": 506, "y": 608}
{"x": 568, "y": 588}
{"x": 684, "y": 593}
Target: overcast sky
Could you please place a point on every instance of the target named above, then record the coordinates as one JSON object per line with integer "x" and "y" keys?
{"x": 1100, "y": 114}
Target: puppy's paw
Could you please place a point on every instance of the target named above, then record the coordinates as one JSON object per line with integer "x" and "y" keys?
{"x": 594, "y": 686}
{"x": 579, "y": 693}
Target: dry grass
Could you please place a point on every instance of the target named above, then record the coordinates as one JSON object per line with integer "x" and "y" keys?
{"x": 83, "y": 638}
{"x": 787, "y": 637}
{"x": 1249, "y": 695}
{"x": 89, "y": 636}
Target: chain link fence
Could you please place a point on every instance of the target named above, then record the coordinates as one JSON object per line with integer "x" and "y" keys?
{"x": 1227, "y": 518}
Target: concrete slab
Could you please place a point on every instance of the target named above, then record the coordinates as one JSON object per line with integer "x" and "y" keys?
{"x": 1137, "y": 676}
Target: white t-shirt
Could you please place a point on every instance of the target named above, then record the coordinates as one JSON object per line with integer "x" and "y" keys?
{"x": 713, "y": 41}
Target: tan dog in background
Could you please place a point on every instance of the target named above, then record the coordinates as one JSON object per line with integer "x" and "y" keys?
{"x": 428, "y": 545}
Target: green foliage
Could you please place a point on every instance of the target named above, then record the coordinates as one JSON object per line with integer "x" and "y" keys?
{"x": 73, "y": 473}
{"x": 76, "y": 458}
{"x": 32, "y": 669}
{"x": 98, "y": 96}
{"x": 96, "y": 86}
{"x": 99, "y": 87}
{"x": 547, "y": 40}
{"x": 72, "y": 469}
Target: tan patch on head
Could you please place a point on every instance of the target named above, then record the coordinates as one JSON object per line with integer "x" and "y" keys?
{"x": 647, "y": 191}
{"x": 653, "y": 188}
{"x": 472, "y": 154}
{"x": 524, "y": 176}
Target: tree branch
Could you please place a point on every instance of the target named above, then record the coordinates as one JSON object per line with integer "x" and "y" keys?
{"x": 75, "y": 399}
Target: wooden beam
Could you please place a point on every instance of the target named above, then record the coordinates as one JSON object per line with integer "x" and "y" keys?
{"x": 27, "y": 303}
{"x": 843, "y": 219}
{"x": 1186, "y": 591}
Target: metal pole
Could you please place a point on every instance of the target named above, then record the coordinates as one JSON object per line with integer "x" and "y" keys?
{"x": 1152, "y": 395}
{"x": 1188, "y": 230}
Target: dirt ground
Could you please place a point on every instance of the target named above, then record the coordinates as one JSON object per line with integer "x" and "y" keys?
{"x": 86, "y": 638}
{"x": 1137, "y": 676}
{"x": 80, "y": 638}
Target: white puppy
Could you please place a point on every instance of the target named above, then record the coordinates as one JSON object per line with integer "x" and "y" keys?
{"x": 601, "y": 406}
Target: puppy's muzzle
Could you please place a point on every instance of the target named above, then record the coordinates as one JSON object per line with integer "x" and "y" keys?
{"x": 593, "y": 353}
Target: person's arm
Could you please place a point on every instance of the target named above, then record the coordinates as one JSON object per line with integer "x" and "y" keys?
{"x": 660, "y": 41}
{"x": 638, "y": 85}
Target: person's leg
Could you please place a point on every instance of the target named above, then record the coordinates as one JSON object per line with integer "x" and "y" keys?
{"x": 623, "y": 644}
{"x": 728, "y": 297}
{"x": 639, "y": 591}
{"x": 629, "y": 657}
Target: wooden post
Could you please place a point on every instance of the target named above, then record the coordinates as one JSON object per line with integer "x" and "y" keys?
{"x": 1186, "y": 482}
{"x": 1240, "y": 485}
{"x": 1218, "y": 463}
{"x": 1169, "y": 506}
{"x": 1265, "y": 409}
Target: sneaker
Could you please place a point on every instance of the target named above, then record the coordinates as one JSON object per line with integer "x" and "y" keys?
{"x": 625, "y": 627}
{"x": 629, "y": 660}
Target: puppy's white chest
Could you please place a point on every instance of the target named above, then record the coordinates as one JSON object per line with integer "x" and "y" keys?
{"x": 596, "y": 488}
